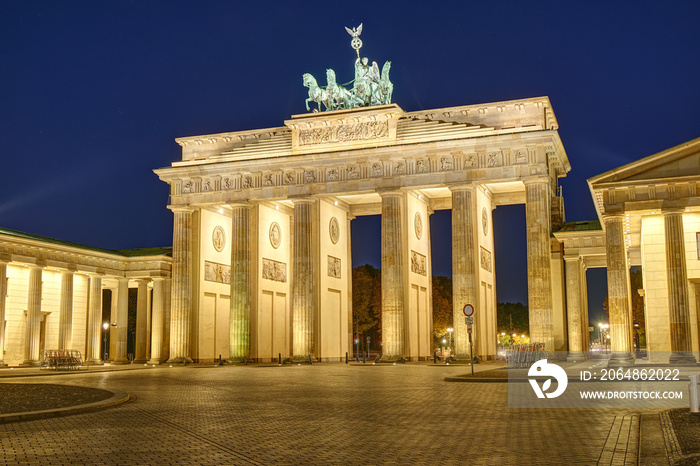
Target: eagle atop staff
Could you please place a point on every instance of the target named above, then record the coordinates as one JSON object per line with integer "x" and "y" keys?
{"x": 356, "y": 42}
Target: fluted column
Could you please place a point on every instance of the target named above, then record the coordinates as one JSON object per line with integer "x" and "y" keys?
{"x": 574, "y": 307}
{"x": 165, "y": 349}
{"x": 677, "y": 282}
{"x": 539, "y": 272}
{"x": 3, "y": 293}
{"x": 113, "y": 328}
{"x": 239, "y": 322}
{"x": 94, "y": 321}
{"x": 464, "y": 272}
{"x": 122, "y": 320}
{"x": 181, "y": 288}
{"x": 33, "y": 328}
{"x": 157, "y": 320}
{"x": 619, "y": 309}
{"x": 65, "y": 320}
{"x": 303, "y": 300}
{"x": 393, "y": 271}
{"x": 141, "y": 324}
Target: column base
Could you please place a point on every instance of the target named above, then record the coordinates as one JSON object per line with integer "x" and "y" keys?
{"x": 575, "y": 356}
{"x": 3, "y": 365}
{"x": 139, "y": 361}
{"x": 179, "y": 360}
{"x": 31, "y": 363}
{"x": 120, "y": 361}
{"x": 308, "y": 359}
{"x": 623, "y": 359}
{"x": 154, "y": 362}
{"x": 682, "y": 358}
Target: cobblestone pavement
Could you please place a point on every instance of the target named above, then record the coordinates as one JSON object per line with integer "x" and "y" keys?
{"x": 319, "y": 414}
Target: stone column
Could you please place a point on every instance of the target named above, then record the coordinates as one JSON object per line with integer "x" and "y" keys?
{"x": 539, "y": 272}
{"x": 157, "y": 320}
{"x": 165, "y": 350}
{"x": 141, "y": 329}
{"x": 181, "y": 288}
{"x": 303, "y": 299}
{"x": 574, "y": 307}
{"x": 113, "y": 328}
{"x": 618, "y": 292}
{"x": 94, "y": 321}
{"x": 677, "y": 283}
{"x": 393, "y": 273}
{"x": 3, "y": 293}
{"x": 239, "y": 321}
{"x": 464, "y": 263}
{"x": 33, "y": 328}
{"x": 65, "y": 320}
{"x": 122, "y": 320}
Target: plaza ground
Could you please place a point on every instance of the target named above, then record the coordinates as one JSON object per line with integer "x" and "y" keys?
{"x": 317, "y": 414}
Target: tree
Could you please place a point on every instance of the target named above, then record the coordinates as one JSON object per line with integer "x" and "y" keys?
{"x": 366, "y": 298}
{"x": 442, "y": 306}
{"x": 518, "y": 312}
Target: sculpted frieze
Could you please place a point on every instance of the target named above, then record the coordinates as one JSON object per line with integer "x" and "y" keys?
{"x": 377, "y": 169}
{"x": 495, "y": 159}
{"x": 418, "y": 263}
{"x": 188, "y": 187}
{"x": 247, "y": 181}
{"x": 344, "y": 133}
{"x": 290, "y": 177}
{"x": 353, "y": 172}
{"x": 332, "y": 174}
{"x": 310, "y": 176}
{"x": 333, "y": 267}
{"x": 275, "y": 271}
{"x": 446, "y": 163}
{"x": 268, "y": 179}
{"x": 486, "y": 260}
{"x": 218, "y": 273}
{"x": 422, "y": 166}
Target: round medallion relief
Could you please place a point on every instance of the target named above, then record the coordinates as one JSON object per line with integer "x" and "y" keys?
{"x": 418, "y": 225}
{"x": 218, "y": 239}
{"x": 334, "y": 230}
{"x": 484, "y": 221}
{"x": 275, "y": 235}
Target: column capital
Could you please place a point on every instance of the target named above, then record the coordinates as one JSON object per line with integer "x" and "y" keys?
{"x": 241, "y": 204}
{"x": 302, "y": 200}
{"x": 5, "y": 258}
{"x": 462, "y": 187}
{"x": 536, "y": 179}
{"x": 675, "y": 210}
{"x": 572, "y": 258}
{"x": 390, "y": 192}
{"x": 181, "y": 209}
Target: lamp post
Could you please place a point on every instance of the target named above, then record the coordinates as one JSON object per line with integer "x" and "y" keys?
{"x": 450, "y": 330}
{"x": 105, "y": 326}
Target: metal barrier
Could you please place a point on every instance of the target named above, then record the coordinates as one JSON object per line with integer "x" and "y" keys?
{"x": 694, "y": 393}
{"x": 61, "y": 359}
{"x": 520, "y": 356}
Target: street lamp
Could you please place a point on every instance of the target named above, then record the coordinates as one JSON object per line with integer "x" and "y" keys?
{"x": 105, "y": 326}
{"x": 450, "y": 330}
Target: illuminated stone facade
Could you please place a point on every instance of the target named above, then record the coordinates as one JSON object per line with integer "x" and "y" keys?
{"x": 51, "y": 298}
{"x": 296, "y": 188}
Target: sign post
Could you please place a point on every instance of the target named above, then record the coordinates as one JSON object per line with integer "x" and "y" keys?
{"x": 468, "y": 311}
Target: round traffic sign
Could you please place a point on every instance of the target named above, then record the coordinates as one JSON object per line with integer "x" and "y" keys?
{"x": 468, "y": 310}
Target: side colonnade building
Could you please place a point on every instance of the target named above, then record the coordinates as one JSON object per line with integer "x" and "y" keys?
{"x": 51, "y": 298}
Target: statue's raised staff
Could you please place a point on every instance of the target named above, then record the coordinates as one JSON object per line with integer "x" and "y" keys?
{"x": 370, "y": 86}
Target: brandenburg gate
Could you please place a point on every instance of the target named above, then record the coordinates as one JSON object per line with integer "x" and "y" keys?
{"x": 262, "y": 262}
{"x": 262, "y": 245}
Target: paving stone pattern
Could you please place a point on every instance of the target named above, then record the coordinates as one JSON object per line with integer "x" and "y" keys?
{"x": 319, "y": 414}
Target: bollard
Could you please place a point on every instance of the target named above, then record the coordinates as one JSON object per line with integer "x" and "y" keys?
{"x": 434, "y": 357}
{"x": 346, "y": 357}
{"x": 694, "y": 393}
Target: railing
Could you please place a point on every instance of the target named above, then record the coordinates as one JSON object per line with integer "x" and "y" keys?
{"x": 61, "y": 359}
{"x": 520, "y": 356}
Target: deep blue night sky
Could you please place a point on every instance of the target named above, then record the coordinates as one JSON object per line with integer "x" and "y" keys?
{"x": 93, "y": 94}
